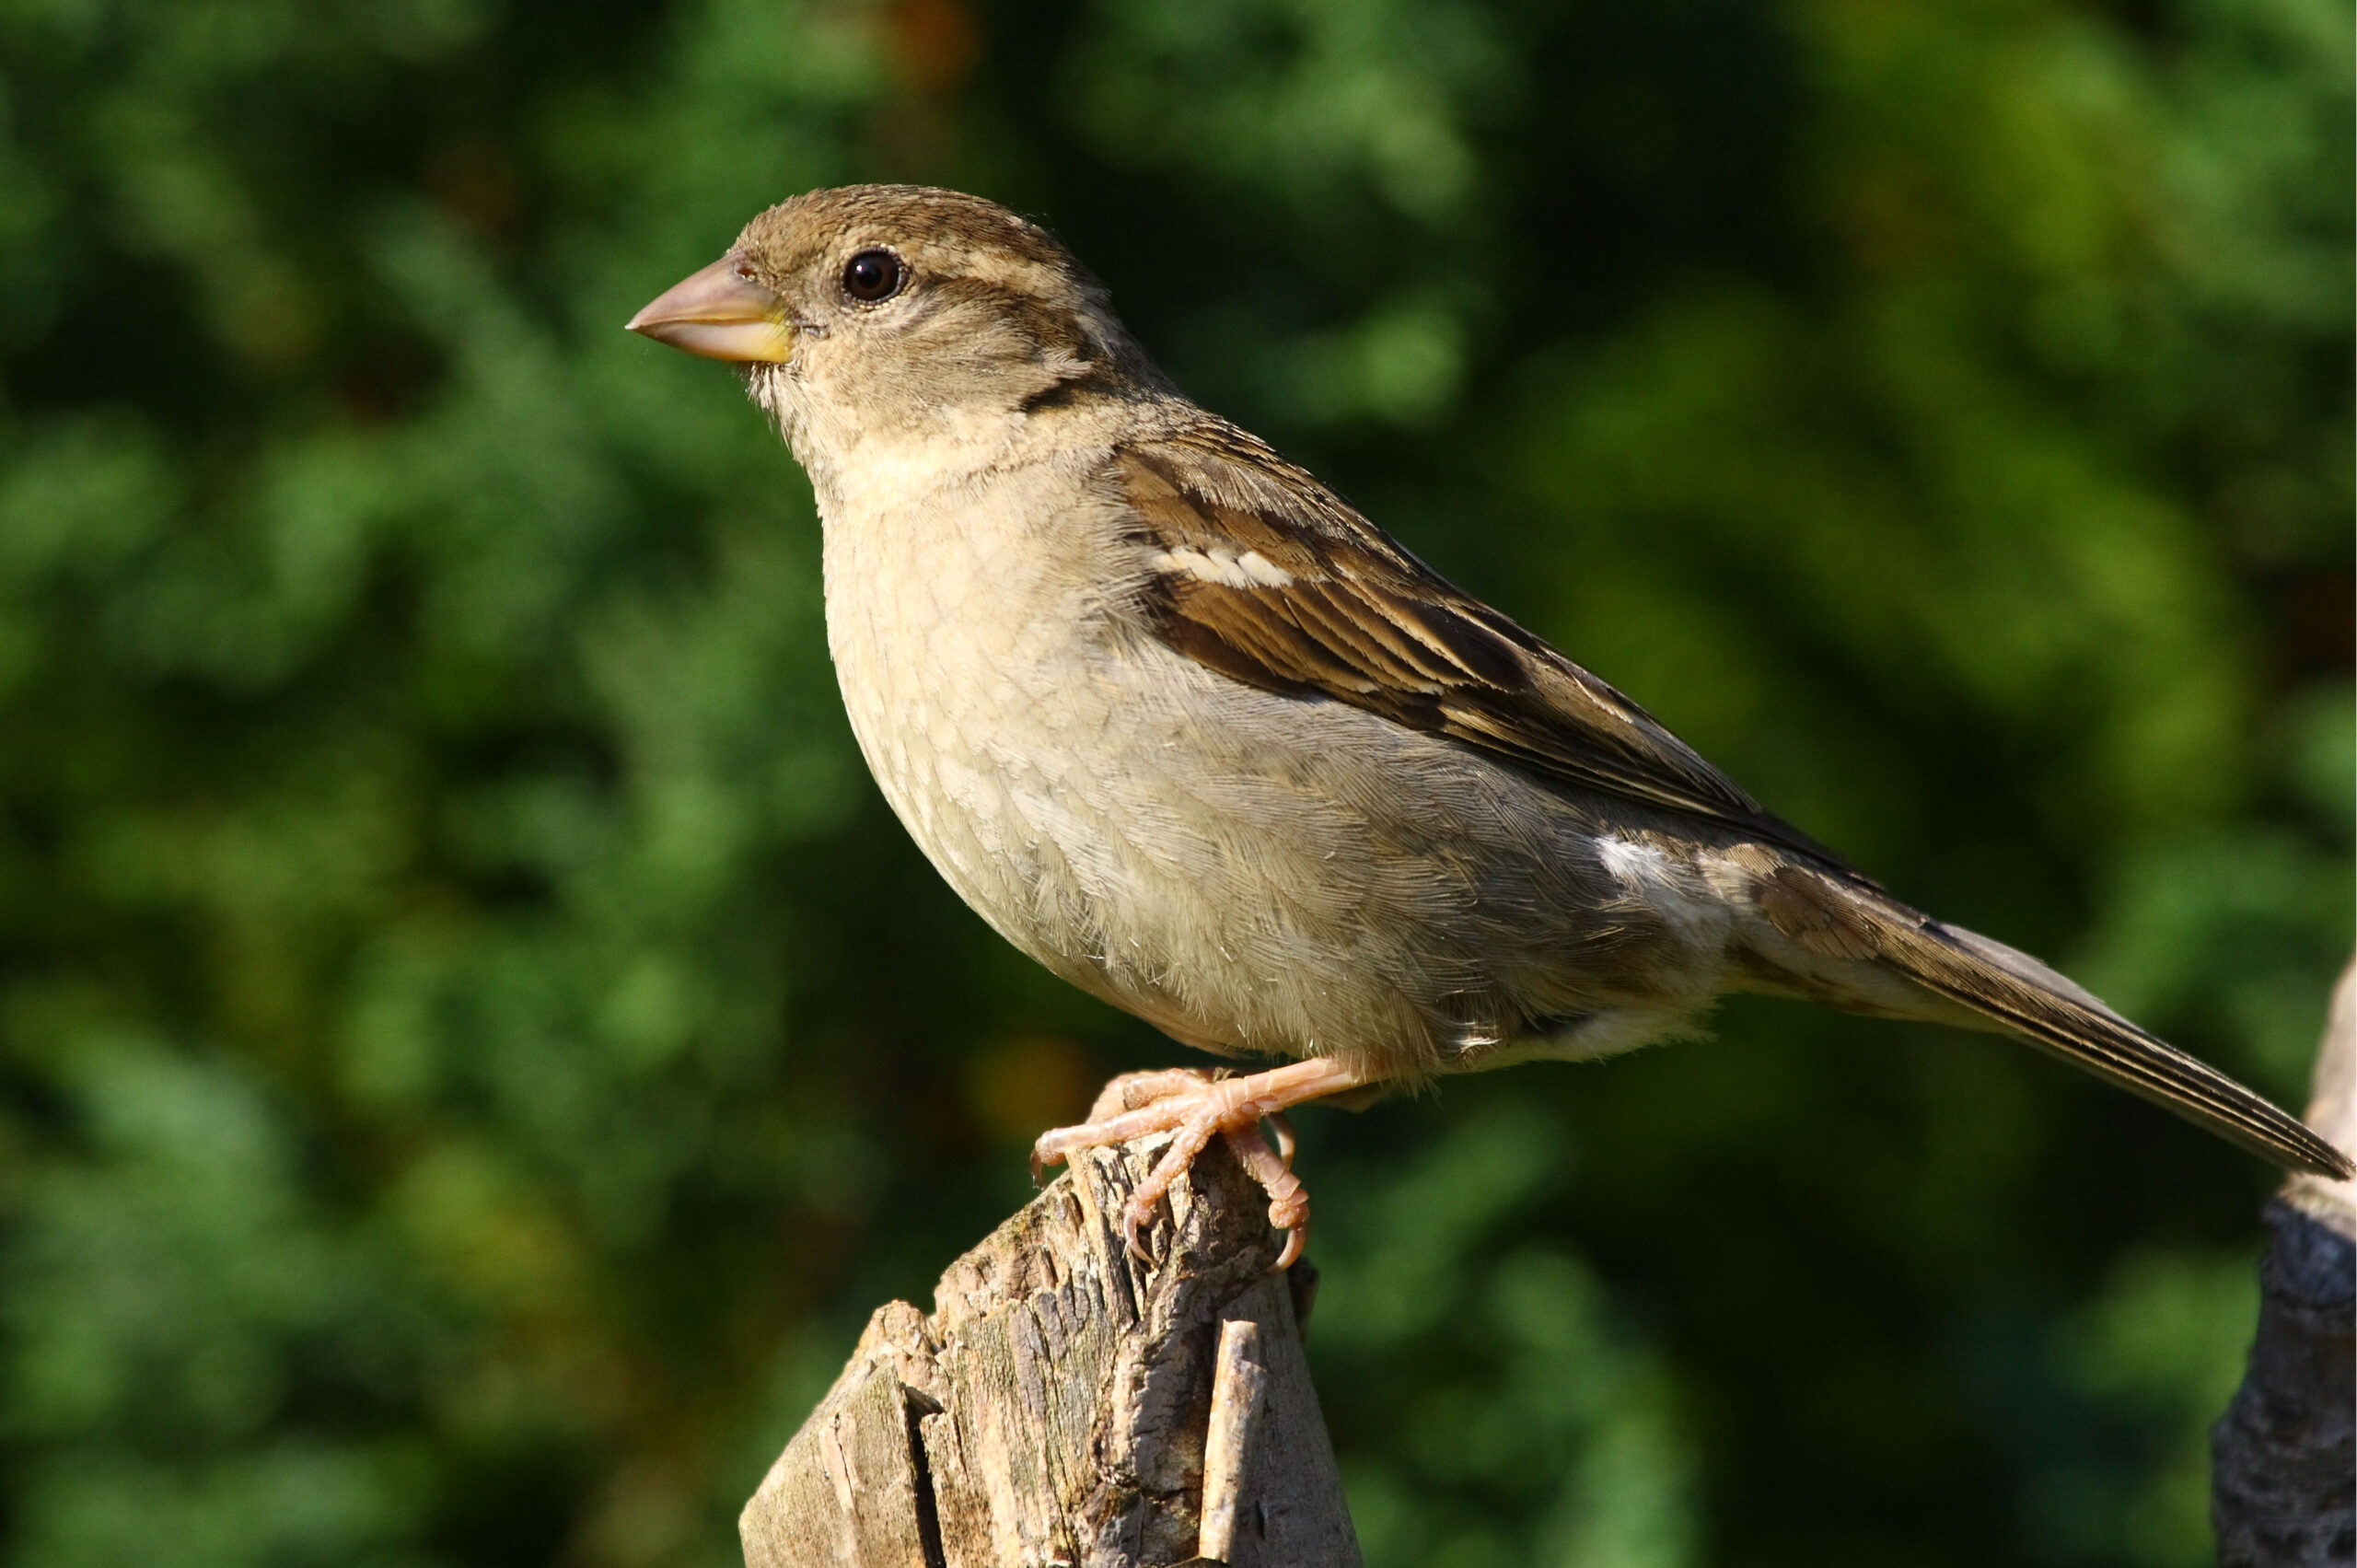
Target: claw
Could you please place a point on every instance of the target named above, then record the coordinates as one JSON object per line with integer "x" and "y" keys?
{"x": 1193, "y": 1105}
{"x": 1135, "y": 1217}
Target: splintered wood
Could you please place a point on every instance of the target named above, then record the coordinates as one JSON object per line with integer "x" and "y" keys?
{"x": 1237, "y": 1382}
{"x": 1065, "y": 1406}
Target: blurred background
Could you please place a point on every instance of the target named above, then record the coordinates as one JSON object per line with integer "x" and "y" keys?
{"x": 474, "y": 1046}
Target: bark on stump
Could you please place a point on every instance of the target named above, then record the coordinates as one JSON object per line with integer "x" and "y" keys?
{"x": 1054, "y": 1408}
{"x": 2283, "y": 1475}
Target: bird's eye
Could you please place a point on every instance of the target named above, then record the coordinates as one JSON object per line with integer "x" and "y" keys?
{"x": 874, "y": 275}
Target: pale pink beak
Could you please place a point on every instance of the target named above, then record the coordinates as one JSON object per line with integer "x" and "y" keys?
{"x": 720, "y": 313}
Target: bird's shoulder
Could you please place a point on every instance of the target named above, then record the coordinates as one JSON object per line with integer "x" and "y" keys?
{"x": 1258, "y": 571}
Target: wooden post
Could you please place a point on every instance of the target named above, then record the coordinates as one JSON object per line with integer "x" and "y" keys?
{"x": 2284, "y": 1477}
{"x": 1053, "y": 1409}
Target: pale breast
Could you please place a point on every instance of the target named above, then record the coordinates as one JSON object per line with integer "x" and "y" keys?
{"x": 964, "y": 660}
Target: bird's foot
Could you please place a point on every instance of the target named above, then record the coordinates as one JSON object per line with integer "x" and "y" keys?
{"x": 1196, "y": 1106}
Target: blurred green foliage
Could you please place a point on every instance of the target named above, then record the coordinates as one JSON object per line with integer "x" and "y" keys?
{"x": 473, "y": 1046}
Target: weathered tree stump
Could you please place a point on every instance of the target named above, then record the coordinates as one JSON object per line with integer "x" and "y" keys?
{"x": 2283, "y": 1477}
{"x": 1054, "y": 1408}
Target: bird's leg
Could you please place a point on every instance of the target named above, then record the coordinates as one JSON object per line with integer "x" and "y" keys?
{"x": 1196, "y": 1106}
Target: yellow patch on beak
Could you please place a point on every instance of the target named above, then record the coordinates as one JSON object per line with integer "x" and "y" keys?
{"x": 721, "y": 313}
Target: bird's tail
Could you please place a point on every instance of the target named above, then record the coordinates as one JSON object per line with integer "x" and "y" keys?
{"x": 2025, "y": 998}
{"x": 1850, "y": 939}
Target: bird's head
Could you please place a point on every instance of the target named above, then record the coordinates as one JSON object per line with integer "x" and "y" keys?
{"x": 898, "y": 312}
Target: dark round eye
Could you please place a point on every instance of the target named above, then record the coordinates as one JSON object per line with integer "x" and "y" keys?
{"x": 872, "y": 276}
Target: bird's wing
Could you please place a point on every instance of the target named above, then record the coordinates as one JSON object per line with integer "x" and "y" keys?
{"x": 1260, "y": 572}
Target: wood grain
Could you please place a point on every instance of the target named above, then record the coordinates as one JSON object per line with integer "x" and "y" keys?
{"x": 1052, "y": 1408}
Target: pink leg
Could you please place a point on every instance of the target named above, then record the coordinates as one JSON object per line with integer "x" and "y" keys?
{"x": 1195, "y": 1106}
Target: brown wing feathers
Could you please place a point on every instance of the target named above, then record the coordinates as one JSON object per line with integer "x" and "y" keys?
{"x": 1332, "y": 607}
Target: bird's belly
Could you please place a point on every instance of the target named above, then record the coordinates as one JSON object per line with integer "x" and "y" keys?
{"x": 1291, "y": 877}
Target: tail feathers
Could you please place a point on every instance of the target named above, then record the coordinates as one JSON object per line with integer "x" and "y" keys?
{"x": 2026, "y": 997}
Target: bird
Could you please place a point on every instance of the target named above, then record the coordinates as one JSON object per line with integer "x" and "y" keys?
{"x": 1187, "y": 728}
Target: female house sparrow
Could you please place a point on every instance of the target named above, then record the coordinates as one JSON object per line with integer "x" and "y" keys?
{"x": 1193, "y": 733}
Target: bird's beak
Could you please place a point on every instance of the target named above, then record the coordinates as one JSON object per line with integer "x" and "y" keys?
{"x": 720, "y": 313}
